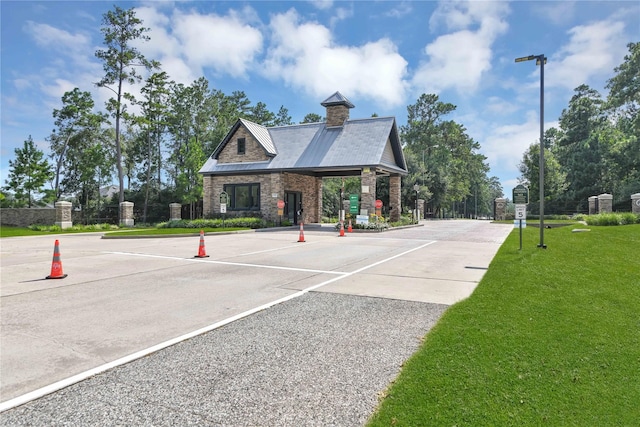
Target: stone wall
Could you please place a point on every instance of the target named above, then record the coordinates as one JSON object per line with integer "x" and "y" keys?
{"x": 311, "y": 189}
{"x": 635, "y": 203}
{"x": 272, "y": 189}
{"x": 24, "y": 217}
{"x": 253, "y": 149}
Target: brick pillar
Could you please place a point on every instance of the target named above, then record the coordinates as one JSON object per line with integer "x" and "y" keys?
{"x": 319, "y": 199}
{"x": 395, "y": 183}
{"x": 635, "y": 203}
{"x": 63, "y": 215}
{"x": 500, "y": 209}
{"x": 593, "y": 205}
{"x": 126, "y": 214}
{"x": 605, "y": 203}
{"x": 368, "y": 193}
{"x": 175, "y": 211}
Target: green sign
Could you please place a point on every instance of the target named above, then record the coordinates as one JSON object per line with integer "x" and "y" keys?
{"x": 520, "y": 195}
{"x": 353, "y": 204}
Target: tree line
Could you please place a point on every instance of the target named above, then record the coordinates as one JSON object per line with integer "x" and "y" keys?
{"x": 596, "y": 147}
{"x": 156, "y": 151}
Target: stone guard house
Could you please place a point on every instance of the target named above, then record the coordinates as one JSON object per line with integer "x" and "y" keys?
{"x": 258, "y": 166}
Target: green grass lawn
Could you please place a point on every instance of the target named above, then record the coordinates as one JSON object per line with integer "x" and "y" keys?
{"x": 549, "y": 337}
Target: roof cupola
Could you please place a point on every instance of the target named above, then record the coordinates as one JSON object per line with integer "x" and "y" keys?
{"x": 337, "y": 109}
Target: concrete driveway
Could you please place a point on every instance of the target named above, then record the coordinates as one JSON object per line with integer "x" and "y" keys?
{"x": 127, "y": 298}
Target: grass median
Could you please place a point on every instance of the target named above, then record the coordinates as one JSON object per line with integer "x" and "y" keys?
{"x": 549, "y": 337}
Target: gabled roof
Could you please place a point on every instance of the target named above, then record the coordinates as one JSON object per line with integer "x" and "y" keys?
{"x": 318, "y": 149}
{"x": 259, "y": 132}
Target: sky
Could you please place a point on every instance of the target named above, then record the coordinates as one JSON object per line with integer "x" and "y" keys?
{"x": 381, "y": 55}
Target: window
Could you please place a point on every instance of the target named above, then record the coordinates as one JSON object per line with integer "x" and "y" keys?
{"x": 242, "y": 146}
{"x": 243, "y": 197}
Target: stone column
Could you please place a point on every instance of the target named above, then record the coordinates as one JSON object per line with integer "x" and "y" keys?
{"x": 593, "y": 205}
{"x": 500, "y": 209}
{"x": 175, "y": 211}
{"x": 422, "y": 213}
{"x": 207, "y": 195}
{"x": 63, "y": 215}
{"x": 126, "y": 214}
{"x": 368, "y": 193}
{"x": 635, "y": 203}
{"x": 395, "y": 182}
{"x": 605, "y": 203}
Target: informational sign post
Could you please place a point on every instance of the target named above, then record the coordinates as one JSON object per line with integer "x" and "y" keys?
{"x": 378, "y": 208}
{"x": 353, "y": 204}
{"x": 224, "y": 199}
{"x": 521, "y": 215}
{"x": 280, "y": 210}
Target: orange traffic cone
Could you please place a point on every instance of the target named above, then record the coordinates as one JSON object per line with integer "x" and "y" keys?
{"x": 56, "y": 264}
{"x": 301, "y": 238}
{"x": 350, "y": 229}
{"x": 202, "y": 253}
{"x": 341, "y": 229}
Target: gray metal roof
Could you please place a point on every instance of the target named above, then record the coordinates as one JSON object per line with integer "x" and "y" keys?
{"x": 316, "y": 148}
{"x": 337, "y": 99}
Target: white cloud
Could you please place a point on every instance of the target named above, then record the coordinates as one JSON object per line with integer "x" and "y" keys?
{"x": 557, "y": 12}
{"x": 400, "y": 10}
{"x": 593, "y": 50}
{"x": 54, "y": 38}
{"x": 504, "y": 145}
{"x": 304, "y": 55}
{"x": 458, "y": 60}
{"x": 224, "y": 43}
{"x": 322, "y": 4}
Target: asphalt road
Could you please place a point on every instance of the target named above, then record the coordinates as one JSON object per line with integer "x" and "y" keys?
{"x": 265, "y": 331}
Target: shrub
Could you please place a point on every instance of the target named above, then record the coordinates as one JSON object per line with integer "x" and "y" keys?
{"x": 246, "y": 222}
{"x": 613, "y": 219}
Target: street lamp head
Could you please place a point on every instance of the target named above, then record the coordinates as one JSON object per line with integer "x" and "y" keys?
{"x": 416, "y": 188}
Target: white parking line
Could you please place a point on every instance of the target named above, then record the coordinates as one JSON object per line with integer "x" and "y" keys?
{"x": 240, "y": 264}
{"x": 51, "y": 388}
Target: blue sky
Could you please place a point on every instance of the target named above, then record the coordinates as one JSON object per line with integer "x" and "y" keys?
{"x": 381, "y": 55}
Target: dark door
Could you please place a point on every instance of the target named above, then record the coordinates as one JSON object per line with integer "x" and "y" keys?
{"x": 292, "y": 206}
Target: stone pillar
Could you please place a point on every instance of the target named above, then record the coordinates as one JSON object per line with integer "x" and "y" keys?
{"x": 635, "y": 203}
{"x": 422, "y": 213}
{"x": 500, "y": 206}
{"x": 368, "y": 193}
{"x": 207, "y": 195}
{"x": 63, "y": 215}
{"x": 126, "y": 214}
{"x": 605, "y": 203}
{"x": 395, "y": 182}
{"x": 593, "y": 205}
{"x": 318, "y": 196}
{"x": 175, "y": 211}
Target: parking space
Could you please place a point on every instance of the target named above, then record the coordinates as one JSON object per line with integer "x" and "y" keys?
{"x": 125, "y": 296}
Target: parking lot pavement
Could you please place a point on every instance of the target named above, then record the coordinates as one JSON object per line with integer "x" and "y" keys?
{"x": 122, "y": 297}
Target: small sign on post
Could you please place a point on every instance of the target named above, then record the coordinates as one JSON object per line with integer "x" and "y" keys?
{"x": 224, "y": 199}
{"x": 521, "y": 215}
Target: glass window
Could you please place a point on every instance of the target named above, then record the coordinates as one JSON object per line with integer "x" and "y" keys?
{"x": 242, "y": 146}
{"x": 243, "y": 197}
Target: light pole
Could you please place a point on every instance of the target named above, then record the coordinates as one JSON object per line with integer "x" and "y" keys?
{"x": 540, "y": 60}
